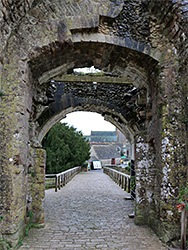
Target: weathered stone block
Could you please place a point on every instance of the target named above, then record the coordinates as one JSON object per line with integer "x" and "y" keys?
{"x": 37, "y": 187}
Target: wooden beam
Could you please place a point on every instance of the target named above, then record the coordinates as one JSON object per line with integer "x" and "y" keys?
{"x": 98, "y": 79}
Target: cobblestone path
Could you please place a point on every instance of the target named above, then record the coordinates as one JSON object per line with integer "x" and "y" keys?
{"x": 90, "y": 212}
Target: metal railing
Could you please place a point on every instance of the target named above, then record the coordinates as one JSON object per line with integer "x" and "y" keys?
{"x": 133, "y": 180}
{"x": 63, "y": 178}
{"x": 123, "y": 180}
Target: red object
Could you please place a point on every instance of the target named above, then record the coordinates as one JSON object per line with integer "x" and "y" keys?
{"x": 180, "y": 206}
{"x": 113, "y": 161}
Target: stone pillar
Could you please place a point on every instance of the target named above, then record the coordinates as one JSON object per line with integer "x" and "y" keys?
{"x": 145, "y": 180}
{"x": 36, "y": 191}
{"x": 173, "y": 150}
{"x": 15, "y": 108}
{"x": 13, "y": 159}
{"x": 161, "y": 155}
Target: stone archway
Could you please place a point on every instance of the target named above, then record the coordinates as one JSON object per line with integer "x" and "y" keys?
{"x": 116, "y": 96}
{"x": 131, "y": 105}
{"x": 133, "y": 39}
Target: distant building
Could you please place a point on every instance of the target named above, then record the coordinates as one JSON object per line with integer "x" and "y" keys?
{"x": 106, "y": 145}
{"x": 106, "y": 136}
{"x": 103, "y": 136}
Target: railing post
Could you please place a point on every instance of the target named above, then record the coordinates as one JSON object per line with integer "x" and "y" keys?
{"x": 62, "y": 181}
{"x": 132, "y": 180}
{"x": 66, "y": 178}
{"x": 56, "y": 183}
{"x": 126, "y": 186}
{"x": 59, "y": 184}
{"x": 129, "y": 185}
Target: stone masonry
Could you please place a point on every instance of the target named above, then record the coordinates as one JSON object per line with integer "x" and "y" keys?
{"x": 144, "y": 41}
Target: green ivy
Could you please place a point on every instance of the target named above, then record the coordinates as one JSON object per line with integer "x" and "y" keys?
{"x": 32, "y": 173}
{"x": 183, "y": 196}
{"x": 27, "y": 231}
{"x": 1, "y": 93}
{"x": 20, "y": 242}
{"x": 133, "y": 183}
{"x": 30, "y": 214}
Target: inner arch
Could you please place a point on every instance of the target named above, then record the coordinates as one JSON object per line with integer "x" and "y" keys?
{"x": 109, "y": 115}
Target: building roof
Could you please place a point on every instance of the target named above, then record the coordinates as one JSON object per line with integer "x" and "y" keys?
{"x": 107, "y": 151}
{"x": 103, "y": 133}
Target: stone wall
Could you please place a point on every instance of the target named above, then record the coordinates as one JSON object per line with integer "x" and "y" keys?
{"x": 165, "y": 144}
{"x": 145, "y": 41}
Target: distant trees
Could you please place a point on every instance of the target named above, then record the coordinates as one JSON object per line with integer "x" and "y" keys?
{"x": 65, "y": 148}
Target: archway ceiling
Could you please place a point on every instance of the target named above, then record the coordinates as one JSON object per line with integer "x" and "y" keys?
{"x": 128, "y": 99}
{"x": 108, "y": 99}
{"x": 60, "y": 58}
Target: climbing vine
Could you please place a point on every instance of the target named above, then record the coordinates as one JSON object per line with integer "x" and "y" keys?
{"x": 183, "y": 197}
{"x": 133, "y": 183}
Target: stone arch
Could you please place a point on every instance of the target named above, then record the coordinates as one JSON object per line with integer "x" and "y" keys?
{"x": 110, "y": 116}
{"x": 129, "y": 106}
{"x": 131, "y": 67}
{"x": 127, "y": 103}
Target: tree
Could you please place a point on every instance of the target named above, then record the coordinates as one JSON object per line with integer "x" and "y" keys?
{"x": 65, "y": 148}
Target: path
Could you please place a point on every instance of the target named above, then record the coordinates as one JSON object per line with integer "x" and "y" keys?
{"x": 90, "y": 212}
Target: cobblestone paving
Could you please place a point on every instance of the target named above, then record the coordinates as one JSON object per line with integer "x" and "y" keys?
{"x": 90, "y": 212}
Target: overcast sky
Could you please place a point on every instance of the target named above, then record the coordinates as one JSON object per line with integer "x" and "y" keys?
{"x": 87, "y": 121}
